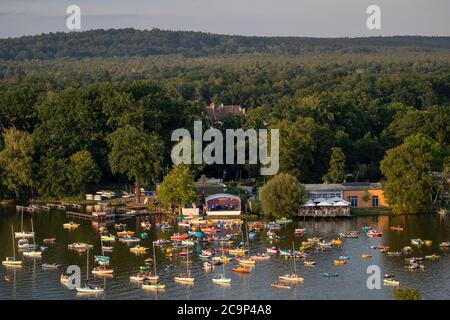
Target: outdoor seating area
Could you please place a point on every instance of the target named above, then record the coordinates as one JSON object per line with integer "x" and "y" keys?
{"x": 320, "y": 207}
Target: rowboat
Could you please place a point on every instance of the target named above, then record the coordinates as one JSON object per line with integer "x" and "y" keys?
{"x": 391, "y": 282}
{"x": 50, "y": 266}
{"x": 70, "y": 225}
{"x": 242, "y": 269}
{"x": 138, "y": 249}
{"x": 330, "y": 275}
{"x": 396, "y": 228}
{"x": 280, "y": 285}
{"x": 366, "y": 256}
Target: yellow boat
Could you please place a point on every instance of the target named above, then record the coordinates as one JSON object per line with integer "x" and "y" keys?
{"x": 237, "y": 252}
{"x": 366, "y": 256}
{"x": 138, "y": 249}
{"x": 428, "y": 242}
{"x": 336, "y": 242}
{"x": 340, "y": 262}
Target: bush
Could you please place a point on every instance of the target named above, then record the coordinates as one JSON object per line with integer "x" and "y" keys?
{"x": 407, "y": 294}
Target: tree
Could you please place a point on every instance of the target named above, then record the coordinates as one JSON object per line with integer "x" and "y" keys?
{"x": 407, "y": 294}
{"x": 408, "y": 182}
{"x": 135, "y": 154}
{"x": 177, "y": 188}
{"x": 53, "y": 180}
{"x": 16, "y": 160}
{"x": 336, "y": 170}
{"x": 282, "y": 195}
{"x": 82, "y": 171}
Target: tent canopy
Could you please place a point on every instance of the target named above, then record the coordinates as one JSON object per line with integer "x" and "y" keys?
{"x": 340, "y": 204}
{"x": 324, "y": 204}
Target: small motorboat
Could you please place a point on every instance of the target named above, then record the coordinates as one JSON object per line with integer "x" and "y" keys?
{"x": 280, "y": 285}
{"x": 391, "y": 282}
{"x": 49, "y": 240}
{"x": 246, "y": 261}
{"x": 309, "y": 263}
{"x": 417, "y": 242}
{"x": 292, "y": 277}
{"x": 374, "y": 233}
{"x": 221, "y": 279}
{"x": 366, "y": 256}
{"x": 237, "y": 252}
{"x": 129, "y": 239}
{"x": 260, "y": 256}
{"x": 102, "y": 270}
{"x": 70, "y": 225}
{"x": 389, "y": 276}
{"x": 428, "y": 243}
{"x": 340, "y": 262}
{"x": 153, "y": 285}
{"x": 51, "y": 266}
{"x": 273, "y": 250}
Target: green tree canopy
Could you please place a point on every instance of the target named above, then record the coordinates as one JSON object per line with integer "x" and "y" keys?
{"x": 177, "y": 188}
{"x": 16, "y": 160}
{"x": 336, "y": 170}
{"x": 135, "y": 154}
{"x": 408, "y": 183}
{"x": 82, "y": 171}
{"x": 282, "y": 195}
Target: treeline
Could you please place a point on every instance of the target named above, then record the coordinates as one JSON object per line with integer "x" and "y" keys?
{"x": 131, "y": 42}
{"x": 338, "y": 115}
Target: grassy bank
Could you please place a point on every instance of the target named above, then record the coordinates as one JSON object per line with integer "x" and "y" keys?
{"x": 370, "y": 211}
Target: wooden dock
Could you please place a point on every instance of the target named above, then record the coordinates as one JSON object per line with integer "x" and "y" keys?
{"x": 32, "y": 208}
{"x": 90, "y": 217}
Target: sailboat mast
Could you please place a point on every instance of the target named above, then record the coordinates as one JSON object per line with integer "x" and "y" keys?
{"x": 14, "y": 248}
{"x": 87, "y": 265}
{"x": 223, "y": 262}
{"x": 187, "y": 260}
{"x": 293, "y": 252}
{"x": 21, "y": 222}
{"x": 32, "y": 230}
{"x": 154, "y": 257}
{"x": 248, "y": 242}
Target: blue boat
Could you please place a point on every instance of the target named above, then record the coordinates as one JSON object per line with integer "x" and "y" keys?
{"x": 197, "y": 234}
{"x": 252, "y": 235}
{"x": 144, "y": 235}
{"x": 344, "y": 257}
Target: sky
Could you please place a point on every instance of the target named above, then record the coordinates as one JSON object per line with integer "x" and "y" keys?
{"x": 306, "y": 18}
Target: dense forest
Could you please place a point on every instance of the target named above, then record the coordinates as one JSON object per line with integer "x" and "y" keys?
{"x": 94, "y": 95}
{"x": 131, "y": 42}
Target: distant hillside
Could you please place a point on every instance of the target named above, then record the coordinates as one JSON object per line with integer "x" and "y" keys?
{"x": 131, "y": 42}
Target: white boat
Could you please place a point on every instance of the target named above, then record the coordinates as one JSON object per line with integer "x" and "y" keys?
{"x": 221, "y": 278}
{"x": 102, "y": 270}
{"x": 79, "y": 246}
{"x": 89, "y": 289}
{"x": 11, "y": 261}
{"x": 292, "y": 277}
{"x": 186, "y": 277}
{"x": 50, "y": 266}
{"x": 22, "y": 233}
{"x": 23, "y": 243}
{"x": 34, "y": 251}
{"x": 70, "y": 225}
{"x": 152, "y": 281}
{"x": 391, "y": 282}
{"x": 153, "y": 285}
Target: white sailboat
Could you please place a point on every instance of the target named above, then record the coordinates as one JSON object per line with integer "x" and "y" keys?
{"x": 221, "y": 278}
{"x": 246, "y": 261}
{"x": 152, "y": 282}
{"x": 23, "y": 234}
{"x": 33, "y": 250}
{"x": 11, "y": 261}
{"x": 89, "y": 289}
{"x": 293, "y": 277}
{"x": 186, "y": 277}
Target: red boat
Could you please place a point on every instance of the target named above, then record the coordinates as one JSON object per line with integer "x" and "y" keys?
{"x": 273, "y": 250}
{"x": 373, "y": 233}
{"x": 396, "y": 228}
{"x": 209, "y": 231}
{"x": 179, "y": 237}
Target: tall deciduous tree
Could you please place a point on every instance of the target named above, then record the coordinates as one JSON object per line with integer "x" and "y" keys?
{"x": 177, "y": 188}
{"x": 16, "y": 159}
{"x": 136, "y": 154}
{"x": 408, "y": 183}
{"x": 282, "y": 195}
{"x": 336, "y": 170}
{"x": 82, "y": 171}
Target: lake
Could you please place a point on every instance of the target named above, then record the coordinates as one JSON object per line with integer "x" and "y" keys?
{"x": 32, "y": 282}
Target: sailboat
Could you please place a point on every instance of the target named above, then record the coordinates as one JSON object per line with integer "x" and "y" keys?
{"x": 221, "y": 278}
{"x": 293, "y": 277}
{"x": 89, "y": 289}
{"x": 33, "y": 250}
{"x": 103, "y": 268}
{"x": 186, "y": 277}
{"x": 248, "y": 260}
{"x": 23, "y": 234}
{"x": 152, "y": 282}
{"x": 11, "y": 261}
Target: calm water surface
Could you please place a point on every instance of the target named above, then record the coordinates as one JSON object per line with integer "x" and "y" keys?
{"x": 32, "y": 282}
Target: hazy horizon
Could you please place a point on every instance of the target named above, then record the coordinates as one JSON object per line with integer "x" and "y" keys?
{"x": 297, "y": 18}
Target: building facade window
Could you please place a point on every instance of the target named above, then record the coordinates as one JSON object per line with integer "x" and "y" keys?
{"x": 353, "y": 201}
{"x": 375, "y": 201}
